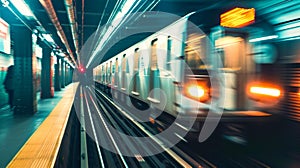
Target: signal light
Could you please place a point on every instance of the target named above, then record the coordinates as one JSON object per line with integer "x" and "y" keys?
{"x": 81, "y": 69}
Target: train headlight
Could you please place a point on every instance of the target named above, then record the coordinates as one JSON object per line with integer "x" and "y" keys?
{"x": 265, "y": 93}
{"x": 196, "y": 92}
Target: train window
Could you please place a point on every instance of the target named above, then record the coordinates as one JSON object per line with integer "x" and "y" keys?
{"x": 117, "y": 66}
{"x": 136, "y": 59}
{"x": 169, "y": 49}
{"x": 195, "y": 51}
{"x": 233, "y": 52}
{"x": 124, "y": 63}
{"x": 154, "y": 73}
{"x": 153, "y": 55}
{"x": 116, "y": 72}
{"x": 106, "y": 73}
{"x": 110, "y": 71}
{"x": 136, "y": 68}
{"x": 124, "y": 72}
{"x": 103, "y": 73}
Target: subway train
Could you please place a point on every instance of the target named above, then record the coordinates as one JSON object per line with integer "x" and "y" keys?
{"x": 248, "y": 75}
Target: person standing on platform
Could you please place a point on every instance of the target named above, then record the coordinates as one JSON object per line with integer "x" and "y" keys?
{"x": 9, "y": 85}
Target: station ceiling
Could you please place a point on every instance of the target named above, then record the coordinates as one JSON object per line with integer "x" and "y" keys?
{"x": 88, "y": 14}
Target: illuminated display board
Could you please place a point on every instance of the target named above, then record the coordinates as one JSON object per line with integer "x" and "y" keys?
{"x": 238, "y": 17}
{"x": 4, "y": 37}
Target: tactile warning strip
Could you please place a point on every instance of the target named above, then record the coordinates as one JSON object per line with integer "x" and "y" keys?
{"x": 42, "y": 147}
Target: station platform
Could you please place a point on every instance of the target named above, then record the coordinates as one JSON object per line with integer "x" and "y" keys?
{"x": 15, "y": 130}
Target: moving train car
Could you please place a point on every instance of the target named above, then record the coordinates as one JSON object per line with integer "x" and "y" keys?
{"x": 152, "y": 72}
{"x": 181, "y": 70}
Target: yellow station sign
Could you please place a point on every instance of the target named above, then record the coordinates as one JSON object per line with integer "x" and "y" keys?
{"x": 238, "y": 17}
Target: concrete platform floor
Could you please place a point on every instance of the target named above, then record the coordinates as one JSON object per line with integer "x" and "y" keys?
{"x": 15, "y": 130}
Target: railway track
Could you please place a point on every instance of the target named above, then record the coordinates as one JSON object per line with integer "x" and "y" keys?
{"x": 101, "y": 116}
{"x": 101, "y": 113}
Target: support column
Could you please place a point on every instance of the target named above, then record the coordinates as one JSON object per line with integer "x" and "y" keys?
{"x": 25, "y": 71}
{"x": 62, "y": 77}
{"x": 72, "y": 73}
{"x": 57, "y": 75}
{"x": 46, "y": 76}
{"x": 66, "y": 74}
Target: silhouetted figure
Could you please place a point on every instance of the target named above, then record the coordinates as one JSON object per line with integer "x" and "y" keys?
{"x": 9, "y": 85}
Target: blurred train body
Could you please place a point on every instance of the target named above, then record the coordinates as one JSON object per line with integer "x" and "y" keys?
{"x": 260, "y": 83}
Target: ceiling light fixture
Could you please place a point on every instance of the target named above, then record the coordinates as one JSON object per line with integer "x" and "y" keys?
{"x": 49, "y": 38}
{"x": 22, "y": 7}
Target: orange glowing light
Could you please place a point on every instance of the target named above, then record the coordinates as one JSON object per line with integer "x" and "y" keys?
{"x": 238, "y": 17}
{"x": 152, "y": 121}
{"x": 265, "y": 91}
{"x": 196, "y": 92}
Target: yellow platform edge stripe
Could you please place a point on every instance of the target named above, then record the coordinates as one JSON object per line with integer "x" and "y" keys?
{"x": 41, "y": 149}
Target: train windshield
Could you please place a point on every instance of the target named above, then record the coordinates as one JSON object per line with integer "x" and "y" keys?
{"x": 196, "y": 52}
{"x": 231, "y": 51}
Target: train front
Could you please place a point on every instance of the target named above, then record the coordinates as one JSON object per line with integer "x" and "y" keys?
{"x": 225, "y": 85}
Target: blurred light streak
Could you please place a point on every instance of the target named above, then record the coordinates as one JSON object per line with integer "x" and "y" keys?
{"x": 265, "y": 91}
{"x": 263, "y": 38}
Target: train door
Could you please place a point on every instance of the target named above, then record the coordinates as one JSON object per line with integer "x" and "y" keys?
{"x": 116, "y": 73}
{"x": 123, "y": 77}
{"x": 116, "y": 79}
{"x": 154, "y": 96}
{"x": 169, "y": 47}
{"x": 102, "y": 74}
{"x": 231, "y": 48}
{"x": 110, "y": 72}
{"x": 135, "y": 72}
{"x": 106, "y": 73}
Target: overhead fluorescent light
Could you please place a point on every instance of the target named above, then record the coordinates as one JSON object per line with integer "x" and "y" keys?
{"x": 48, "y": 37}
{"x": 22, "y": 7}
{"x": 115, "y": 22}
{"x": 61, "y": 54}
{"x": 263, "y": 38}
{"x": 5, "y": 3}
